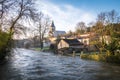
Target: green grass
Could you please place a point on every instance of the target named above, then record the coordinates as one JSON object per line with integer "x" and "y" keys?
{"x": 94, "y": 56}
{"x": 102, "y": 57}
{"x": 39, "y": 49}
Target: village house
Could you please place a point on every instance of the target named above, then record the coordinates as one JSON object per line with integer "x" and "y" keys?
{"x": 87, "y": 39}
{"x": 71, "y": 44}
{"x": 84, "y": 38}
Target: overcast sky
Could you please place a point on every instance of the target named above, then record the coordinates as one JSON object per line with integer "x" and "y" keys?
{"x": 66, "y": 13}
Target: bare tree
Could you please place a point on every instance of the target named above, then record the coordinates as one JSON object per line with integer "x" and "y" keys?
{"x": 12, "y": 15}
{"x": 42, "y": 27}
{"x": 13, "y": 12}
{"x": 80, "y": 27}
{"x": 4, "y": 8}
{"x": 25, "y": 10}
{"x": 111, "y": 17}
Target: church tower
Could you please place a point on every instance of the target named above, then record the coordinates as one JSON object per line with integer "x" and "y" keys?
{"x": 52, "y": 29}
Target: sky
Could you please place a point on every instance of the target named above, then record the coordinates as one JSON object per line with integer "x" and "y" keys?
{"x": 67, "y": 13}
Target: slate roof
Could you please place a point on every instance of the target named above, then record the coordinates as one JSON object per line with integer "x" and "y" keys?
{"x": 73, "y": 42}
{"x": 57, "y": 33}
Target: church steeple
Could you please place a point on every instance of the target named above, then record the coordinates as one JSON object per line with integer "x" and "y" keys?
{"x": 52, "y": 29}
{"x": 53, "y": 26}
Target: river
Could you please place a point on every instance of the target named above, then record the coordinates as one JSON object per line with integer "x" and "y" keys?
{"x": 35, "y": 65}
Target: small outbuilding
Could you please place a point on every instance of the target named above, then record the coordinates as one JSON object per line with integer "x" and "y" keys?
{"x": 70, "y": 43}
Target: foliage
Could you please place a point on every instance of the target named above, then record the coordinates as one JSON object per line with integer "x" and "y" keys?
{"x": 12, "y": 13}
{"x": 113, "y": 46}
{"x": 108, "y": 29}
{"x": 94, "y": 56}
{"x": 5, "y": 46}
{"x": 113, "y": 59}
{"x": 102, "y": 57}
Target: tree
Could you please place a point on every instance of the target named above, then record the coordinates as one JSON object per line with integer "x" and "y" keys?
{"x": 105, "y": 26}
{"x": 69, "y": 33}
{"x": 42, "y": 27}
{"x": 80, "y": 28}
{"x": 112, "y": 17}
{"x": 12, "y": 14}
{"x": 5, "y": 5}
{"x": 113, "y": 29}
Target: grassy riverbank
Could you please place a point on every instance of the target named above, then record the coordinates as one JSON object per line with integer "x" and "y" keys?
{"x": 102, "y": 57}
{"x": 94, "y": 56}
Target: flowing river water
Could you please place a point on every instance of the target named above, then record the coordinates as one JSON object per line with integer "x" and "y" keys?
{"x": 34, "y": 65}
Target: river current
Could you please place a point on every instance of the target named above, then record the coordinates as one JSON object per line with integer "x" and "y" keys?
{"x": 34, "y": 65}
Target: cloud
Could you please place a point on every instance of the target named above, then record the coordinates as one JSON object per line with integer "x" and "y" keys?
{"x": 65, "y": 16}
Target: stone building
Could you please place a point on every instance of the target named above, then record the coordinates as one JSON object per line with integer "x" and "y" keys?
{"x": 54, "y": 34}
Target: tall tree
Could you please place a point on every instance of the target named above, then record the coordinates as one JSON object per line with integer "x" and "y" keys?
{"x": 12, "y": 15}
{"x": 5, "y": 5}
{"x": 43, "y": 23}
{"x": 105, "y": 26}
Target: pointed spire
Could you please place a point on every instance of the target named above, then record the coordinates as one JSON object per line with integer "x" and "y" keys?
{"x": 52, "y": 29}
{"x": 52, "y": 25}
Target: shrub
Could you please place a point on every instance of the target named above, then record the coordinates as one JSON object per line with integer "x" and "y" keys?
{"x": 5, "y": 44}
{"x": 94, "y": 56}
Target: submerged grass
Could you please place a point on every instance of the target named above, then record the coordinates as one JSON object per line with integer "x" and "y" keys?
{"x": 39, "y": 49}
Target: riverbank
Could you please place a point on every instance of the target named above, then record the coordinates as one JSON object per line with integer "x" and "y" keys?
{"x": 102, "y": 57}
{"x": 91, "y": 56}
{"x": 45, "y": 49}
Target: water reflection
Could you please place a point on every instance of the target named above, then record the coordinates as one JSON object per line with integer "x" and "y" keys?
{"x": 33, "y": 65}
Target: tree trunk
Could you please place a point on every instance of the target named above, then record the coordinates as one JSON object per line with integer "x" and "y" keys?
{"x": 41, "y": 44}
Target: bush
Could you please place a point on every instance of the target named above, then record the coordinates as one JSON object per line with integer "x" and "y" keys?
{"x": 113, "y": 58}
{"x": 5, "y": 45}
{"x": 94, "y": 56}
{"x": 103, "y": 57}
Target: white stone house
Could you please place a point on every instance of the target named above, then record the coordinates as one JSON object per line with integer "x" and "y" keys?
{"x": 84, "y": 38}
{"x": 70, "y": 43}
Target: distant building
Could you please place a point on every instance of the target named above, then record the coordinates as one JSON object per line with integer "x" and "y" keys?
{"x": 23, "y": 43}
{"x": 59, "y": 33}
{"x": 51, "y": 30}
{"x": 55, "y": 33}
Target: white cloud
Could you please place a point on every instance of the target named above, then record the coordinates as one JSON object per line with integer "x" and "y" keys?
{"x": 65, "y": 16}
